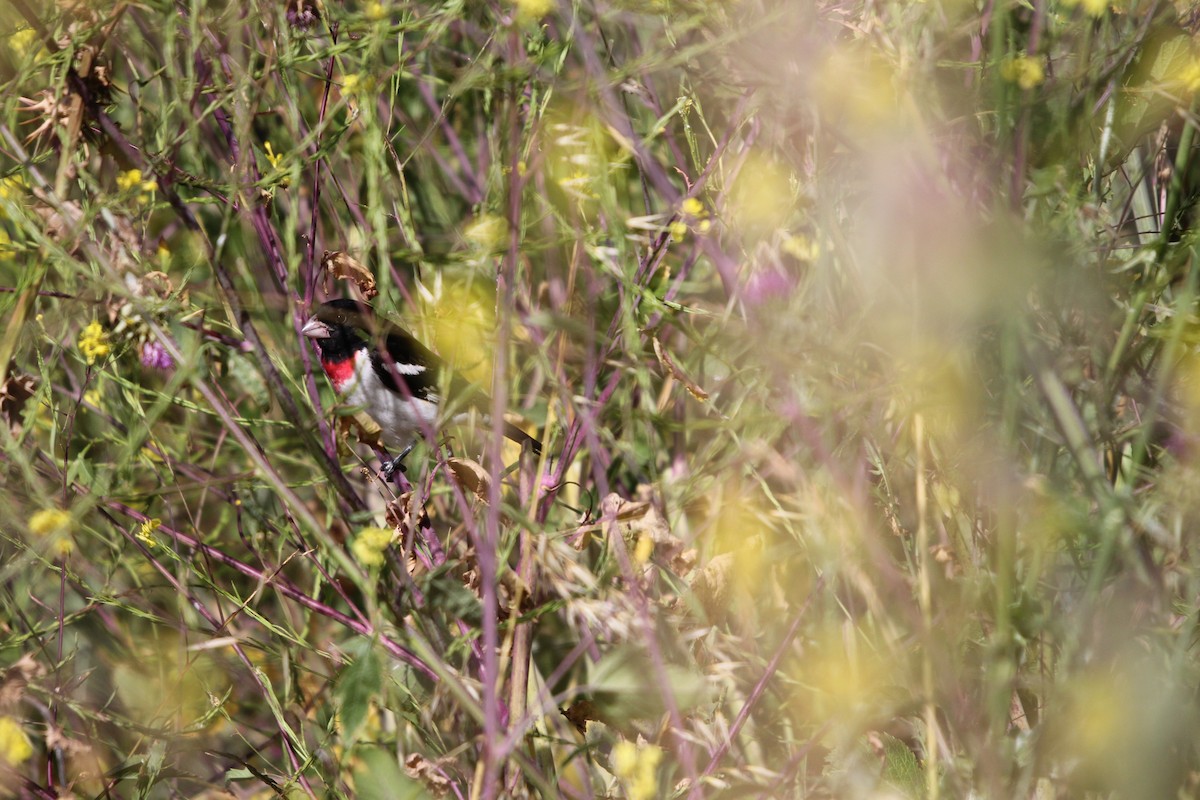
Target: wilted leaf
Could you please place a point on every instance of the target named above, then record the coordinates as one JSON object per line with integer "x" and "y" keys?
{"x": 471, "y": 476}
{"x": 16, "y": 678}
{"x": 428, "y": 773}
{"x": 17, "y": 389}
{"x": 339, "y": 265}
{"x": 713, "y": 587}
{"x": 580, "y": 713}
{"x": 664, "y": 359}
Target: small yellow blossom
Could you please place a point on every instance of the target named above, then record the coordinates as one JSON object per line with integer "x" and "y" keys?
{"x": 533, "y": 10}
{"x": 12, "y": 187}
{"x": 643, "y": 549}
{"x": 131, "y": 180}
{"x": 522, "y": 168}
{"x": 53, "y": 524}
{"x": 488, "y": 232}
{"x": 693, "y": 208}
{"x": 801, "y": 248}
{"x": 1094, "y": 8}
{"x": 272, "y": 157}
{"x": 22, "y": 41}
{"x": 678, "y": 230}
{"x": 376, "y": 11}
{"x": 7, "y": 251}
{"x": 93, "y": 342}
{"x": 356, "y": 84}
{"x": 145, "y": 533}
{"x": 49, "y": 521}
{"x": 1025, "y": 71}
{"x": 637, "y": 768}
{"x": 92, "y": 397}
{"x": 370, "y": 545}
{"x": 14, "y": 744}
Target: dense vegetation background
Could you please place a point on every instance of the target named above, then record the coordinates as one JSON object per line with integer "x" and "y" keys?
{"x": 862, "y": 336}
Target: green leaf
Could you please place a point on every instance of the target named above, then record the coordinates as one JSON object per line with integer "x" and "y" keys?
{"x": 358, "y": 685}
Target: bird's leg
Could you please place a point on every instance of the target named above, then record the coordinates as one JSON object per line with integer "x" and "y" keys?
{"x": 397, "y": 463}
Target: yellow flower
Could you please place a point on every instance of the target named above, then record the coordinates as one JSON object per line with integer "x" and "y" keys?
{"x": 533, "y": 10}
{"x": 693, "y": 208}
{"x": 49, "y": 521}
{"x": 146, "y": 532}
{"x": 14, "y": 744}
{"x": 636, "y": 767}
{"x": 1023, "y": 70}
{"x": 53, "y": 524}
{"x": 801, "y": 248}
{"x": 131, "y": 180}
{"x": 22, "y": 41}
{"x": 678, "y": 230}
{"x": 93, "y": 342}
{"x": 376, "y": 11}
{"x": 1095, "y": 8}
{"x": 643, "y": 549}
{"x": 12, "y": 187}
{"x": 272, "y": 157}
{"x": 355, "y": 84}
{"x": 370, "y": 545}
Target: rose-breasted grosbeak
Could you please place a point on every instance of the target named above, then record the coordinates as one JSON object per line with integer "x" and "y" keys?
{"x": 392, "y": 376}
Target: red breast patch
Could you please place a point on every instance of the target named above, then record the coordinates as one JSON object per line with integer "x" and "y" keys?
{"x": 341, "y": 373}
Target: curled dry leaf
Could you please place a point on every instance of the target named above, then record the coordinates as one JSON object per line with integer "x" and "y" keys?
{"x": 339, "y": 265}
{"x": 580, "y": 713}
{"x": 15, "y": 392}
{"x": 428, "y": 773}
{"x": 693, "y": 388}
{"x": 16, "y": 678}
{"x": 713, "y": 587}
{"x": 470, "y": 475}
{"x": 638, "y": 519}
{"x": 365, "y": 429}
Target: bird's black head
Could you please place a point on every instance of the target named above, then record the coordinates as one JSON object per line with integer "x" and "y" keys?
{"x": 338, "y": 326}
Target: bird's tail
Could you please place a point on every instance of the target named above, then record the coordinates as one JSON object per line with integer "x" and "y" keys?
{"x": 522, "y": 438}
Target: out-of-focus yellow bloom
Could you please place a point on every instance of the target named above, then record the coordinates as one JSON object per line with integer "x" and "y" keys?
{"x": 644, "y": 548}
{"x": 801, "y": 248}
{"x": 693, "y": 208}
{"x": 370, "y": 545}
{"x": 53, "y": 524}
{"x": 146, "y": 532}
{"x": 22, "y": 41}
{"x": 272, "y": 157}
{"x": 131, "y": 180}
{"x": 14, "y": 744}
{"x": 488, "y": 232}
{"x": 93, "y": 342}
{"x": 1095, "y": 8}
{"x": 637, "y": 768}
{"x": 376, "y": 11}
{"x": 49, "y": 521}
{"x": 533, "y": 10}
{"x": 678, "y": 230}
{"x": 1025, "y": 71}
{"x": 355, "y": 84}
{"x": 12, "y": 187}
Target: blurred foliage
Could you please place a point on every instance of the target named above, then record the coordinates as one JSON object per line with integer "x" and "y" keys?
{"x": 862, "y": 338}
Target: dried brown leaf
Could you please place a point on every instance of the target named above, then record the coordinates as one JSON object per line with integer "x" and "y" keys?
{"x": 713, "y": 587}
{"x": 15, "y": 392}
{"x": 339, "y": 265}
{"x": 694, "y": 389}
{"x": 471, "y": 476}
{"x": 16, "y": 678}
{"x": 428, "y": 773}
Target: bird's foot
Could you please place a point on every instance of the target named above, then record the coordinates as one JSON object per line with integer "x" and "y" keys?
{"x": 397, "y": 463}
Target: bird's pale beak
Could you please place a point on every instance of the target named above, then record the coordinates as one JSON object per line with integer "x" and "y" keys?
{"x": 315, "y": 329}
